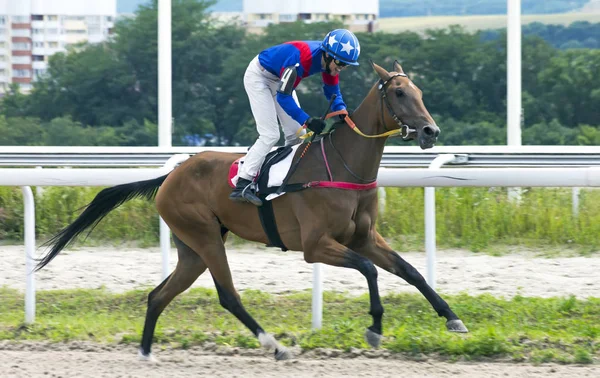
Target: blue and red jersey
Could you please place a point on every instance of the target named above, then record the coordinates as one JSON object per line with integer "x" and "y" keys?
{"x": 307, "y": 56}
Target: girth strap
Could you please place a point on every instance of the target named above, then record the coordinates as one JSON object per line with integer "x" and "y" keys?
{"x": 269, "y": 224}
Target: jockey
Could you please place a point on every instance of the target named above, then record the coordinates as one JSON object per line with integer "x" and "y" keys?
{"x": 270, "y": 81}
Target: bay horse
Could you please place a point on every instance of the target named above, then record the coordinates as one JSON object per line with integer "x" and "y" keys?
{"x": 333, "y": 226}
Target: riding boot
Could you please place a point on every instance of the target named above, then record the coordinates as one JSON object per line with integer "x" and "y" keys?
{"x": 244, "y": 191}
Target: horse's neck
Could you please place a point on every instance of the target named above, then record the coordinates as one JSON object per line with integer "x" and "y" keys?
{"x": 362, "y": 155}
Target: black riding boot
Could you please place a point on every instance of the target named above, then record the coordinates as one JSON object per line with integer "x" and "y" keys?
{"x": 243, "y": 192}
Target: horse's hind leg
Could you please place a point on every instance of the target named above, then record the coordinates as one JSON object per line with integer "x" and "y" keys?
{"x": 383, "y": 256}
{"x": 207, "y": 241}
{"x": 189, "y": 267}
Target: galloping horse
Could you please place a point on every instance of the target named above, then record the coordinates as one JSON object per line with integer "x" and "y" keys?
{"x": 330, "y": 225}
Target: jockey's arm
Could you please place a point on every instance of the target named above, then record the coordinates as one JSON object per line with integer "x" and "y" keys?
{"x": 285, "y": 96}
{"x": 331, "y": 86}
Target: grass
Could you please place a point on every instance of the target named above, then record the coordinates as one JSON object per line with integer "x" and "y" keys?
{"x": 477, "y": 219}
{"x": 475, "y": 23}
{"x": 520, "y": 329}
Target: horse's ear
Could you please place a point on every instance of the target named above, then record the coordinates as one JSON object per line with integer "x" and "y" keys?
{"x": 383, "y": 74}
{"x": 398, "y": 67}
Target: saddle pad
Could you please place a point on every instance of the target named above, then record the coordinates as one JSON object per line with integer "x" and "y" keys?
{"x": 276, "y": 174}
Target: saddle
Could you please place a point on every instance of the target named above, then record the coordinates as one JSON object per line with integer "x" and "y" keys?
{"x": 269, "y": 180}
{"x": 272, "y": 173}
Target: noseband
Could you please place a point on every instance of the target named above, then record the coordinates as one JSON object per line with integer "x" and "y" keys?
{"x": 406, "y": 132}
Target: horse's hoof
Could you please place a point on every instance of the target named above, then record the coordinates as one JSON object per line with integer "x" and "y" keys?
{"x": 146, "y": 357}
{"x": 282, "y": 354}
{"x": 372, "y": 338}
{"x": 456, "y": 325}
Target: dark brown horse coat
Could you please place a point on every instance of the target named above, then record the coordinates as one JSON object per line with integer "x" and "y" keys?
{"x": 331, "y": 226}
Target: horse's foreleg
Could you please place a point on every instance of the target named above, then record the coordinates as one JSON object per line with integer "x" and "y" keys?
{"x": 330, "y": 252}
{"x": 383, "y": 256}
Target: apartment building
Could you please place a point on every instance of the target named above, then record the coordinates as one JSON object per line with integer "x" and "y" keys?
{"x": 357, "y": 15}
{"x": 33, "y": 30}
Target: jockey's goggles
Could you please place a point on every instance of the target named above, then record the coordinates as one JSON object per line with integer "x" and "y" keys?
{"x": 339, "y": 63}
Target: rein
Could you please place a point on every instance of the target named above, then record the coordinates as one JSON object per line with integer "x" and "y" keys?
{"x": 405, "y": 131}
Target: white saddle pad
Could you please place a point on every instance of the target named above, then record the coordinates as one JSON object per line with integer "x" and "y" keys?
{"x": 277, "y": 172}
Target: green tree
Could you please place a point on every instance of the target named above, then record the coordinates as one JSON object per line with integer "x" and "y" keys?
{"x": 569, "y": 87}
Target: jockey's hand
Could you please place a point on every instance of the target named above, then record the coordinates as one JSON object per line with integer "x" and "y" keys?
{"x": 315, "y": 124}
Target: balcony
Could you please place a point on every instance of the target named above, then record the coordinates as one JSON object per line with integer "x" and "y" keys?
{"x": 21, "y": 33}
{"x": 261, "y": 23}
{"x": 40, "y": 65}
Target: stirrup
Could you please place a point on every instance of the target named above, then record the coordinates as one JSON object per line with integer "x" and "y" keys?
{"x": 249, "y": 195}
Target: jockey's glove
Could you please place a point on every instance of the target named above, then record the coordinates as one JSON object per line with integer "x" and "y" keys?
{"x": 315, "y": 125}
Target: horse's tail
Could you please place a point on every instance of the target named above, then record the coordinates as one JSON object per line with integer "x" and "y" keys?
{"x": 104, "y": 202}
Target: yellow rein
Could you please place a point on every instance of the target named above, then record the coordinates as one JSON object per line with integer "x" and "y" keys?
{"x": 351, "y": 124}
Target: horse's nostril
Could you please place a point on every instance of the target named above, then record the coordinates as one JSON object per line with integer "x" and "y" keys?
{"x": 431, "y": 131}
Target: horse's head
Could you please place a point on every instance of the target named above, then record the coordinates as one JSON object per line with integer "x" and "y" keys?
{"x": 402, "y": 106}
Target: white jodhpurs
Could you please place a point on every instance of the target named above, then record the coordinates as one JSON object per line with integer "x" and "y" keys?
{"x": 261, "y": 87}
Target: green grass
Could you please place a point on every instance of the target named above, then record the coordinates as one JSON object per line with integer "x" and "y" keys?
{"x": 477, "y": 219}
{"x": 475, "y": 23}
{"x": 485, "y": 219}
{"x": 534, "y": 329}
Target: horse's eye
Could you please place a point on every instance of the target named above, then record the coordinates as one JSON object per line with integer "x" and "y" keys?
{"x": 399, "y": 92}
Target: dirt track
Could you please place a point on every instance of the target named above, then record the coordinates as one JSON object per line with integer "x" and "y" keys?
{"x": 273, "y": 271}
{"x": 88, "y": 360}
{"x": 277, "y": 272}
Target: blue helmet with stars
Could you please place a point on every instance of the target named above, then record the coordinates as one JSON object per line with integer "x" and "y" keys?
{"x": 343, "y": 45}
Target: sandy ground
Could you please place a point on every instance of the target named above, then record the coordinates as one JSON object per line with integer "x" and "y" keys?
{"x": 25, "y": 360}
{"x": 277, "y": 272}
{"x": 273, "y": 271}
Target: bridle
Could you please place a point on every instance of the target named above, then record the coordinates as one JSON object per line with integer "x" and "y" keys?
{"x": 406, "y": 132}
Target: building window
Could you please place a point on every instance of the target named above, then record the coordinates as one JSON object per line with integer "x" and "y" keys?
{"x": 38, "y": 44}
{"x": 21, "y": 46}
{"x": 53, "y": 45}
{"x": 304, "y": 16}
{"x": 52, "y": 18}
{"x": 21, "y": 60}
{"x": 38, "y": 58}
{"x": 21, "y": 19}
{"x": 37, "y": 73}
{"x": 21, "y": 33}
{"x": 287, "y": 17}
{"x": 37, "y": 17}
{"x": 68, "y": 31}
{"x": 265, "y": 16}
{"x": 21, "y": 73}
{"x": 37, "y": 31}
{"x": 94, "y": 30}
{"x": 52, "y": 31}
{"x": 2, "y": 20}
{"x": 2, "y": 45}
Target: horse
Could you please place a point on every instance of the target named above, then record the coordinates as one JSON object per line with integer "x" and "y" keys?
{"x": 330, "y": 225}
